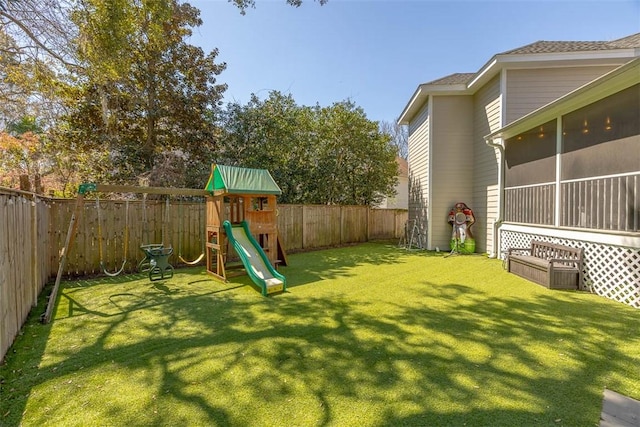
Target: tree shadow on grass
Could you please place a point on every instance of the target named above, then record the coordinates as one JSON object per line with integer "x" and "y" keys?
{"x": 312, "y": 267}
{"x": 434, "y": 353}
{"x": 139, "y": 294}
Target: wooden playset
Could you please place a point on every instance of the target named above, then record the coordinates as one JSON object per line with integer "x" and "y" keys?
{"x": 236, "y": 195}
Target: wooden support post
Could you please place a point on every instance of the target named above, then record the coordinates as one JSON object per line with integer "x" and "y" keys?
{"x": 46, "y": 317}
{"x": 282, "y": 255}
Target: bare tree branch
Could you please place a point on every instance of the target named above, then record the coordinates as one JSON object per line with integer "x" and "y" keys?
{"x": 42, "y": 28}
{"x": 399, "y": 137}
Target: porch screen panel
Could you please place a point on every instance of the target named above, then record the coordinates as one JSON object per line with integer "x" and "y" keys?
{"x": 603, "y": 138}
{"x": 530, "y": 156}
{"x": 601, "y": 164}
{"x": 530, "y": 170}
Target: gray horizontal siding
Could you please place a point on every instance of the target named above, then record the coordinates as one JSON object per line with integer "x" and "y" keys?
{"x": 452, "y": 172}
{"x": 419, "y": 134}
{"x": 530, "y": 89}
{"x": 487, "y": 118}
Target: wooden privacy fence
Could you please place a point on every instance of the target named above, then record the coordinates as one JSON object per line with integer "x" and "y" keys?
{"x": 306, "y": 227}
{"x": 120, "y": 225}
{"x": 33, "y": 231}
{"x": 181, "y": 226}
{"x": 25, "y": 261}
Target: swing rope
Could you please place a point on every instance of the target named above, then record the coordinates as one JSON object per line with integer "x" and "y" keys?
{"x": 100, "y": 239}
{"x": 196, "y": 261}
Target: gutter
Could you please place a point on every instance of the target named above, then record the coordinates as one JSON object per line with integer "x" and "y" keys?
{"x": 497, "y": 142}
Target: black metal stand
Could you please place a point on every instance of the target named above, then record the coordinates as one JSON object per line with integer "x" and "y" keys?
{"x": 455, "y": 250}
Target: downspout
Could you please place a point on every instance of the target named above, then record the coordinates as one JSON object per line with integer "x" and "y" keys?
{"x": 499, "y": 144}
{"x": 429, "y": 230}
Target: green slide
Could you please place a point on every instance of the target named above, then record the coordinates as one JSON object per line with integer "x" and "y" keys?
{"x": 254, "y": 259}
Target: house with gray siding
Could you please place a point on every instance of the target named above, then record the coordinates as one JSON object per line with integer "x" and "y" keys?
{"x": 449, "y": 119}
{"x": 570, "y": 174}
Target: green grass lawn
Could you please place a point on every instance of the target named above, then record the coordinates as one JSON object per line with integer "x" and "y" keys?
{"x": 369, "y": 335}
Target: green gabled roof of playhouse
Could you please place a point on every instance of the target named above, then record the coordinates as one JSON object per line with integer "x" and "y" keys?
{"x": 236, "y": 180}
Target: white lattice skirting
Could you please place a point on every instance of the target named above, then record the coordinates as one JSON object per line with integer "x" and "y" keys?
{"x": 610, "y": 271}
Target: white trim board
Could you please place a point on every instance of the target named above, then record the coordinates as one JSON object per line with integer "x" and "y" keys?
{"x": 630, "y": 241}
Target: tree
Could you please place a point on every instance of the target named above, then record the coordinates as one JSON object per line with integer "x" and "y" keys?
{"x": 151, "y": 97}
{"x": 270, "y": 134}
{"x": 119, "y": 73}
{"x": 42, "y": 30}
{"x": 22, "y": 159}
{"x": 328, "y": 155}
{"x": 38, "y": 70}
{"x": 243, "y": 5}
{"x": 356, "y": 163}
{"x": 399, "y": 135}
{"x": 13, "y": 97}
{"x": 36, "y": 51}
{"x": 27, "y": 85}
{"x": 115, "y": 86}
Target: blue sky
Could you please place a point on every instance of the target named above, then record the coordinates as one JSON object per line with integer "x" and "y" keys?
{"x": 377, "y": 52}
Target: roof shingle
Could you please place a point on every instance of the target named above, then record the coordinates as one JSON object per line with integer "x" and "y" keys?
{"x": 452, "y": 79}
{"x": 631, "y": 41}
{"x": 543, "y": 46}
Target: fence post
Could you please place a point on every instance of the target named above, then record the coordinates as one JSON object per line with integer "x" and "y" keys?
{"x": 304, "y": 207}
{"x": 34, "y": 252}
{"x": 368, "y": 224}
{"x": 341, "y": 224}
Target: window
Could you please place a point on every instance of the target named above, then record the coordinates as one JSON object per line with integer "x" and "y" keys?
{"x": 260, "y": 204}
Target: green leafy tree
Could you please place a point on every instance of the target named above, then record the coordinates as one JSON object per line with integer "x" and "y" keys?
{"x": 356, "y": 163}
{"x": 151, "y": 97}
{"x": 327, "y": 155}
{"x": 121, "y": 94}
{"x": 243, "y": 5}
{"x": 270, "y": 134}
